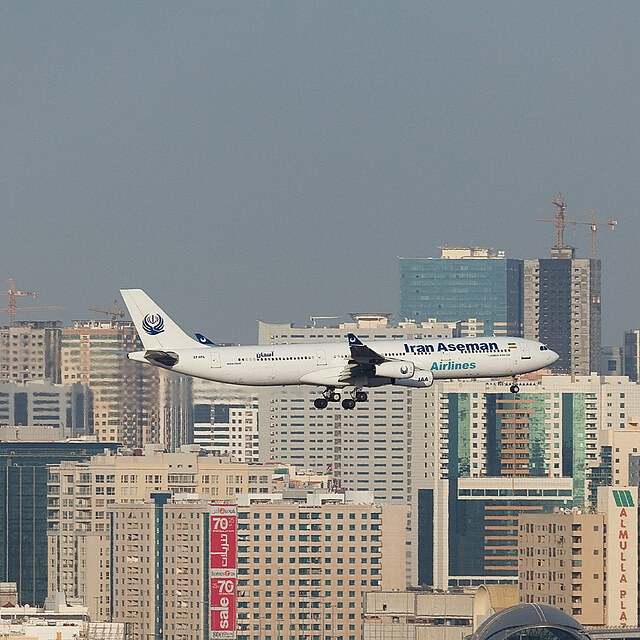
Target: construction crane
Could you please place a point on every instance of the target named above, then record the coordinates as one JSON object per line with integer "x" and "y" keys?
{"x": 561, "y": 222}
{"x": 12, "y": 303}
{"x": 561, "y": 209}
{"x": 594, "y": 224}
{"x": 115, "y": 313}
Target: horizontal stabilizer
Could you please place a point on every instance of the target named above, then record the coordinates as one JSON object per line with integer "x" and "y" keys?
{"x": 165, "y": 358}
{"x": 160, "y": 358}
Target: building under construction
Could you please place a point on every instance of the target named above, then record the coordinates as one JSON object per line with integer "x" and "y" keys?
{"x": 562, "y": 299}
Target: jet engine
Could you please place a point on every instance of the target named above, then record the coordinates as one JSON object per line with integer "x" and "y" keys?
{"x": 419, "y": 379}
{"x": 401, "y": 369}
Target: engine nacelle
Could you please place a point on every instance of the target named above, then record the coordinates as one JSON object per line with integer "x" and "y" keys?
{"x": 402, "y": 369}
{"x": 420, "y": 379}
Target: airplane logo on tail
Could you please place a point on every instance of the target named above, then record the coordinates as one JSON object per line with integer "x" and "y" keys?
{"x": 153, "y": 324}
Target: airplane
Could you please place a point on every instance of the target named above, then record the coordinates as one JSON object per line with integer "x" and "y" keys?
{"x": 333, "y": 365}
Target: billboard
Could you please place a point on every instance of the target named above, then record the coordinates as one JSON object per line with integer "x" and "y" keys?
{"x": 222, "y": 571}
{"x": 621, "y": 507}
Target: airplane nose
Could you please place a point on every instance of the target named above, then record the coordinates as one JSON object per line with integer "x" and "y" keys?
{"x": 553, "y": 356}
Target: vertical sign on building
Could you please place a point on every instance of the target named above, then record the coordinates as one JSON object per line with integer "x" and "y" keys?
{"x": 621, "y": 507}
{"x": 222, "y": 571}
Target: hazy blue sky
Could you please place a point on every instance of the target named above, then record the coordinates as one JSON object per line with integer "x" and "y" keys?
{"x": 245, "y": 160}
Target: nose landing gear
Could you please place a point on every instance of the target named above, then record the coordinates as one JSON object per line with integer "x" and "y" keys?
{"x": 514, "y": 388}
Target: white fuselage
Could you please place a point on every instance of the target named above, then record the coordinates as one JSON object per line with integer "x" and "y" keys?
{"x": 324, "y": 363}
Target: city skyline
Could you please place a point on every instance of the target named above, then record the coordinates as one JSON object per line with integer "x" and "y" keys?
{"x": 271, "y": 160}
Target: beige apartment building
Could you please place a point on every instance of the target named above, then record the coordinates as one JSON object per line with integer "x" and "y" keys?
{"x": 80, "y": 494}
{"x": 159, "y": 574}
{"x": 133, "y": 404}
{"x": 304, "y": 562}
{"x": 561, "y": 562}
{"x": 585, "y": 564}
{"x": 30, "y": 351}
{"x": 304, "y": 566}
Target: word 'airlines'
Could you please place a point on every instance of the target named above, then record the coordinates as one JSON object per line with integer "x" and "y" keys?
{"x": 409, "y": 363}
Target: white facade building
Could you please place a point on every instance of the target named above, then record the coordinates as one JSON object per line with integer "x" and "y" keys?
{"x": 225, "y": 420}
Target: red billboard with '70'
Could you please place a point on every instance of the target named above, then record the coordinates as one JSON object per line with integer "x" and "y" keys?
{"x": 223, "y": 607}
{"x": 222, "y": 571}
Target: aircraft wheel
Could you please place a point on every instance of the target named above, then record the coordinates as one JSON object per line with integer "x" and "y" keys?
{"x": 320, "y": 403}
{"x": 515, "y": 388}
{"x": 348, "y": 403}
{"x": 361, "y": 396}
{"x": 334, "y": 396}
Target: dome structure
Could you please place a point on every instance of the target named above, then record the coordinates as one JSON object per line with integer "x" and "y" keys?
{"x": 530, "y": 622}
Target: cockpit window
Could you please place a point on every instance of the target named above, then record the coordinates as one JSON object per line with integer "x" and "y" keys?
{"x": 543, "y": 347}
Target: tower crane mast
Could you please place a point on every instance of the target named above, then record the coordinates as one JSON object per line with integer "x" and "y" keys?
{"x": 561, "y": 222}
{"x": 593, "y": 225}
{"x": 115, "y": 313}
{"x": 12, "y": 302}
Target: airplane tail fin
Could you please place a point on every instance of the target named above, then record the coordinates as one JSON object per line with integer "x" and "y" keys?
{"x": 155, "y": 328}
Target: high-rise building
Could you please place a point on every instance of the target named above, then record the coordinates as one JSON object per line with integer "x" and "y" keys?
{"x": 365, "y": 448}
{"x": 479, "y": 287}
{"x": 556, "y": 300}
{"x": 304, "y": 565}
{"x": 30, "y": 351}
{"x": 159, "y": 574}
{"x": 80, "y": 494}
{"x": 24, "y": 505}
{"x": 480, "y": 455}
{"x": 367, "y": 326}
{"x": 225, "y": 420}
{"x": 304, "y": 562}
{"x": 562, "y": 309}
{"x": 132, "y": 403}
{"x": 585, "y": 564}
{"x": 561, "y": 549}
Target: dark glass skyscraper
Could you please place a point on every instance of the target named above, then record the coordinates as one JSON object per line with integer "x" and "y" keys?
{"x": 554, "y": 300}
{"x": 562, "y": 309}
{"x": 632, "y": 354}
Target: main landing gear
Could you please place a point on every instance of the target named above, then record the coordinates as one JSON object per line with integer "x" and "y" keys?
{"x": 331, "y": 395}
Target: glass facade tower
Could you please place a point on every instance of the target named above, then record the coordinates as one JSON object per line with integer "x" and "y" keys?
{"x": 24, "y": 508}
{"x": 479, "y": 287}
{"x": 501, "y": 455}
